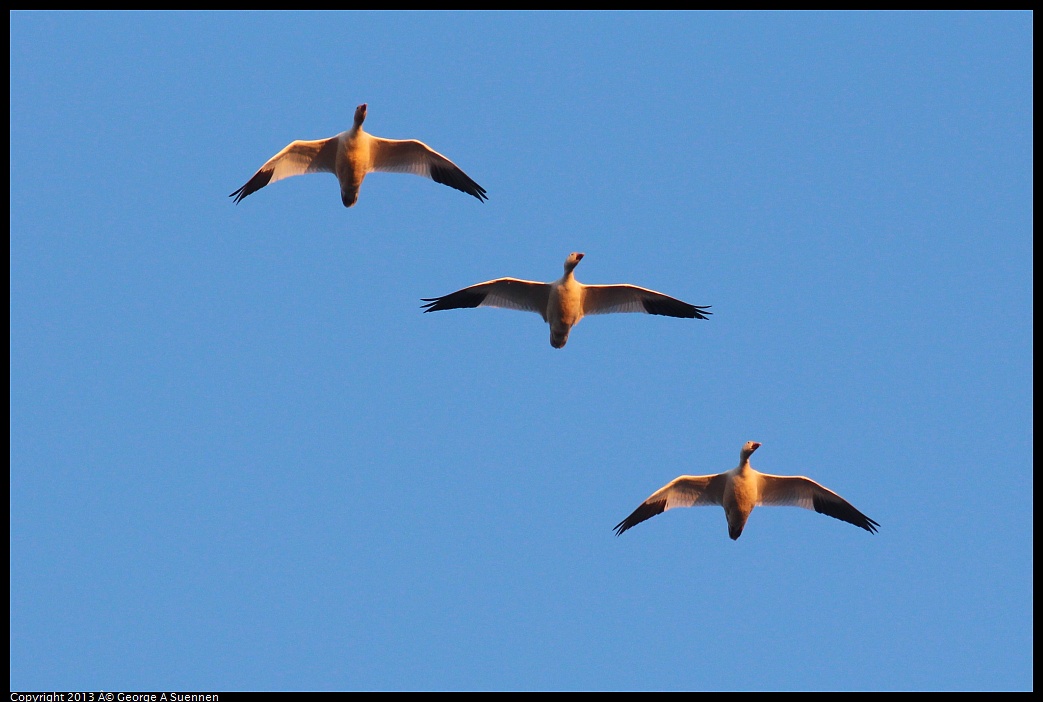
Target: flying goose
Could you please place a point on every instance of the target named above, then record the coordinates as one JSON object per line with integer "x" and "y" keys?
{"x": 741, "y": 489}
{"x": 565, "y": 301}
{"x": 354, "y": 153}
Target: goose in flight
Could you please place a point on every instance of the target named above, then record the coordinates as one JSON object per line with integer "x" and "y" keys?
{"x": 741, "y": 489}
{"x": 352, "y": 154}
{"x": 565, "y": 301}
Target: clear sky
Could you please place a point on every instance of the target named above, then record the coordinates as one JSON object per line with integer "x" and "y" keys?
{"x": 242, "y": 458}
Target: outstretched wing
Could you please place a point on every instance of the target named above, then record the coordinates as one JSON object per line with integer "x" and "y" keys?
{"x": 298, "y": 158}
{"x": 683, "y": 491}
{"x": 798, "y": 491}
{"x": 604, "y": 299}
{"x": 416, "y": 157}
{"x": 510, "y": 293}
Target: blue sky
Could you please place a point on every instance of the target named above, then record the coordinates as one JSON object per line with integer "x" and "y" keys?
{"x": 242, "y": 458}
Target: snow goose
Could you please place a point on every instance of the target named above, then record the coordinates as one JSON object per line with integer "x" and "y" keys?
{"x": 354, "y": 153}
{"x": 565, "y": 301}
{"x": 741, "y": 489}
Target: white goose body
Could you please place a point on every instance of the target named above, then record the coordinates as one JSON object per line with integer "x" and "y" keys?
{"x": 741, "y": 489}
{"x": 563, "y": 303}
{"x": 352, "y": 154}
{"x": 564, "y": 306}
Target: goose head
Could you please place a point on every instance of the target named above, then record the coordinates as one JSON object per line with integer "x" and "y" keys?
{"x": 747, "y": 450}
{"x": 570, "y": 263}
{"x": 360, "y": 115}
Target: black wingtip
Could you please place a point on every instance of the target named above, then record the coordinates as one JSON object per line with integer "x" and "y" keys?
{"x": 260, "y": 179}
{"x": 702, "y": 311}
{"x": 644, "y": 511}
{"x": 454, "y": 177}
{"x": 478, "y": 191}
{"x": 845, "y": 512}
{"x": 461, "y": 299}
{"x": 670, "y": 307}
